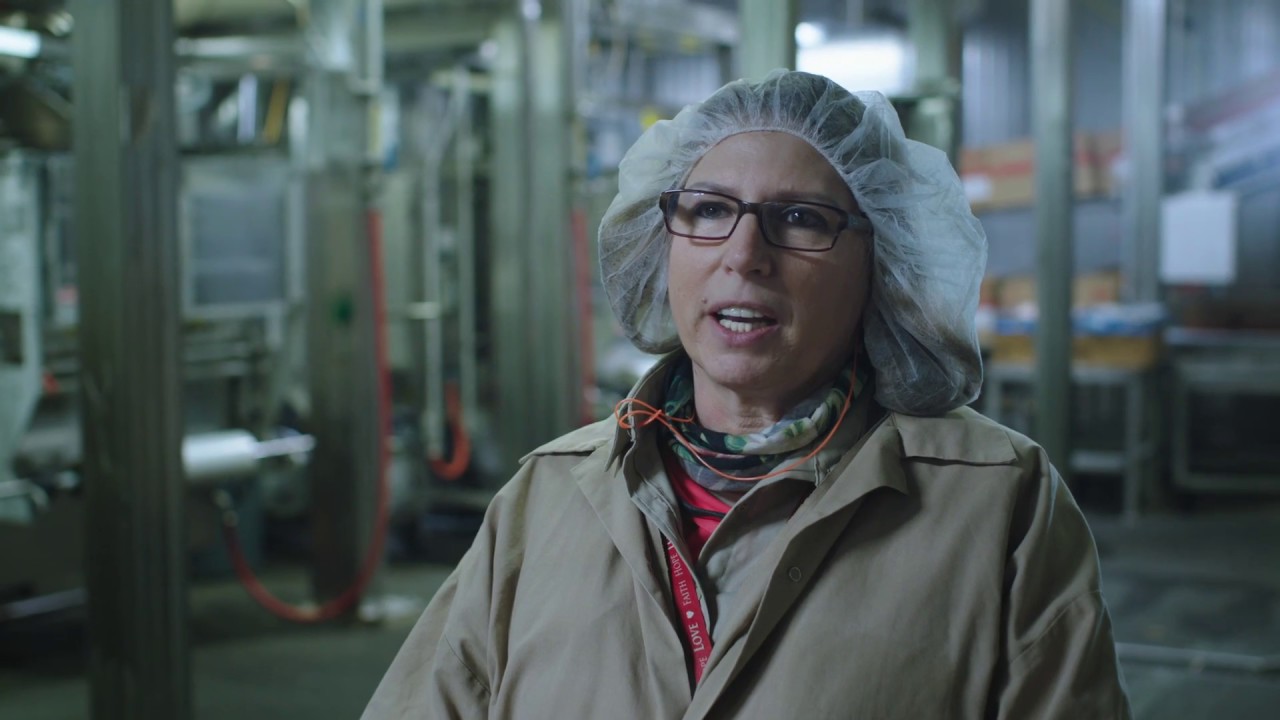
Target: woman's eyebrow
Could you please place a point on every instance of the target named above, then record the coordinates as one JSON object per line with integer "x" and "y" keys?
{"x": 786, "y": 196}
{"x": 813, "y": 197}
{"x": 712, "y": 187}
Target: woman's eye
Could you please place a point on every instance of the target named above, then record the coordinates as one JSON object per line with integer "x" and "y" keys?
{"x": 712, "y": 210}
{"x": 804, "y": 217}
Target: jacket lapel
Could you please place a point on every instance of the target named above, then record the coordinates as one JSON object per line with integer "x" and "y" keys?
{"x": 606, "y": 492}
{"x": 797, "y": 554}
{"x": 600, "y": 480}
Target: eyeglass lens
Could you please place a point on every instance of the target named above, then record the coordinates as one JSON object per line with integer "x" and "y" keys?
{"x": 712, "y": 216}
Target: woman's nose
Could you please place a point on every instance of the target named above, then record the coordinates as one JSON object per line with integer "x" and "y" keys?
{"x": 746, "y": 250}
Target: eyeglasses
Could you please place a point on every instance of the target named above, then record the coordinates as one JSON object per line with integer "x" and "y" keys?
{"x": 804, "y": 226}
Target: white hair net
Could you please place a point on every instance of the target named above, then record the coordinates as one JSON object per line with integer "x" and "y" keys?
{"x": 929, "y": 250}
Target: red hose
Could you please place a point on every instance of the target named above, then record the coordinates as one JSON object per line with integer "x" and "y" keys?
{"x": 454, "y": 468}
{"x": 348, "y": 599}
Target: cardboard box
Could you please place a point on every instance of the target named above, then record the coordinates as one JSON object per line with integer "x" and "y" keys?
{"x": 1109, "y": 351}
{"x": 1003, "y": 176}
{"x": 1108, "y": 150}
{"x": 1088, "y": 289}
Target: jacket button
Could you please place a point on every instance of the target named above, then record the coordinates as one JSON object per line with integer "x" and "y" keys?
{"x": 795, "y": 574}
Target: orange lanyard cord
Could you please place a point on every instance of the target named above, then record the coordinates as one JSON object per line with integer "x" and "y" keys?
{"x": 649, "y": 414}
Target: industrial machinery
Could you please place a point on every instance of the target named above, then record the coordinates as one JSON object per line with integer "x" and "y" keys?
{"x": 376, "y": 221}
{"x": 241, "y": 295}
{"x": 255, "y": 175}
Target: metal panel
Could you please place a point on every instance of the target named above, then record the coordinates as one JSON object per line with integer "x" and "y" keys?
{"x": 1051, "y": 105}
{"x": 1097, "y": 47}
{"x": 20, "y": 316}
{"x": 236, "y": 227}
{"x": 996, "y": 92}
{"x": 126, "y": 172}
{"x": 1216, "y": 46}
{"x": 1096, "y": 238}
{"x": 680, "y": 80}
{"x": 995, "y": 80}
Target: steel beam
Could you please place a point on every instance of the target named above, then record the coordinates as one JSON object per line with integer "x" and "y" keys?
{"x": 126, "y": 174}
{"x": 768, "y": 38}
{"x": 1144, "y": 86}
{"x": 1051, "y": 89}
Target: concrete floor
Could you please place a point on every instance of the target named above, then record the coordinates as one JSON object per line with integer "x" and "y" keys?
{"x": 1211, "y": 583}
{"x": 246, "y": 664}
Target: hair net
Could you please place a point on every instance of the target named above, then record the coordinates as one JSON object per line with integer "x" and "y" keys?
{"x": 929, "y": 250}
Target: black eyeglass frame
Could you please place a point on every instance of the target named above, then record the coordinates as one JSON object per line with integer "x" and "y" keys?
{"x": 850, "y": 221}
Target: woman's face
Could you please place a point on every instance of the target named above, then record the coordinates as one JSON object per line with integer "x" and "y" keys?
{"x": 766, "y": 324}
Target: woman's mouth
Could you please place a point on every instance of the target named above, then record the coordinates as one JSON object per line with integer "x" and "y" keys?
{"x": 743, "y": 320}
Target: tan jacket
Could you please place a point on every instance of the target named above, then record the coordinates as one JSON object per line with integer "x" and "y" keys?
{"x": 943, "y": 572}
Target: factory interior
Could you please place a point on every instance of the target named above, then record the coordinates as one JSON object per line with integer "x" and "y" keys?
{"x": 289, "y": 287}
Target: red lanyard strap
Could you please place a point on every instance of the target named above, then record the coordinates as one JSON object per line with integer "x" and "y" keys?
{"x": 697, "y": 634}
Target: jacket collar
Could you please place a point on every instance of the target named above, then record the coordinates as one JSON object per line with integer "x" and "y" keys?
{"x": 649, "y": 389}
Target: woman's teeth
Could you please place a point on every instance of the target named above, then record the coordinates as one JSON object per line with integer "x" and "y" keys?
{"x": 740, "y": 320}
{"x": 738, "y": 327}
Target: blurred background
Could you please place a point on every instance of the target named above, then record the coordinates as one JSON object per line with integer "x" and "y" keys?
{"x": 287, "y": 287}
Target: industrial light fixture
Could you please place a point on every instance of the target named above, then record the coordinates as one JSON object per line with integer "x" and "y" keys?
{"x": 875, "y": 60}
{"x": 19, "y": 43}
{"x": 810, "y": 35}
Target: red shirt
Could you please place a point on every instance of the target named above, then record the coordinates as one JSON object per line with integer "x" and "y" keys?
{"x": 700, "y": 510}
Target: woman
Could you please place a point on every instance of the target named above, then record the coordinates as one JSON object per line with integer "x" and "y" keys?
{"x": 794, "y": 515}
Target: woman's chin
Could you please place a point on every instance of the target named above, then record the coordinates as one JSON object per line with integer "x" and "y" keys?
{"x": 748, "y": 376}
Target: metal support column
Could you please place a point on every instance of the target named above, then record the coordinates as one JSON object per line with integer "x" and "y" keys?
{"x": 465, "y": 155}
{"x": 535, "y": 360}
{"x": 558, "y": 384}
{"x": 1051, "y": 90}
{"x": 935, "y": 36}
{"x": 344, "y": 60}
{"x": 768, "y": 36}
{"x": 126, "y": 174}
{"x": 1145, "y": 33}
{"x": 512, "y": 335}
